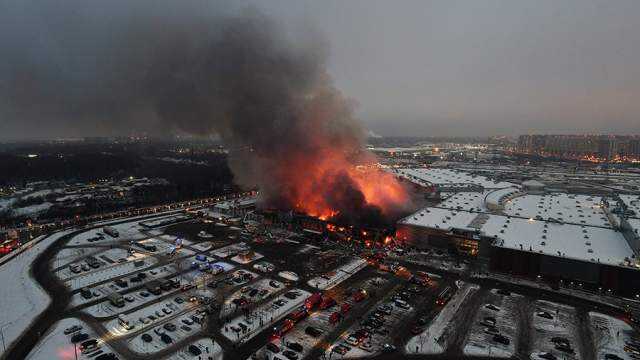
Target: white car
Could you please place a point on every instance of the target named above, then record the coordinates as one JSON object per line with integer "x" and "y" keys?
{"x": 352, "y": 340}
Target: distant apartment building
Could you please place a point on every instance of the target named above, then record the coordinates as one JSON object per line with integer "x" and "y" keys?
{"x": 602, "y": 147}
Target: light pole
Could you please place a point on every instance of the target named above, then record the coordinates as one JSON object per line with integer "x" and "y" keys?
{"x": 4, "y": 347}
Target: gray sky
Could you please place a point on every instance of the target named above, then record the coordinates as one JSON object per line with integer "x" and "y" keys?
{"x": 472, "y": 67}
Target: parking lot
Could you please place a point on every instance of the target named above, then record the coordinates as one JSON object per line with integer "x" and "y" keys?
{"x": 226, "y": 290}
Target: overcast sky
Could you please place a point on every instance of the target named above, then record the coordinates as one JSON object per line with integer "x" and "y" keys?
{"x": 438, "y": 68}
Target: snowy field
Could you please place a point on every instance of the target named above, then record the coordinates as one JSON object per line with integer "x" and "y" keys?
{"x": 203, "y": 246}
{"x": 22, "y": 298}
{"x": 182, "y": 331}
{"x": 263, "y": 317}
{"x": 610, "y": 335}
{"x": 433, "y": 339}
{"x": 230, "y": 250}
{"x": 56, "y": 345}
{"x": 209, "y": 348}
{"x": 163, "y": 312}
{"x": 341, "y": 274}
{"x": 263, "y": 288}
{"x": 558, "y": 321}
{"x": 480, "y": 340}
{"x": 104, "y": 273}
{"x": 105, "y": 309}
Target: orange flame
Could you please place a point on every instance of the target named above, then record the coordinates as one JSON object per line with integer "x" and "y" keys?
{"x": 317, "y": 177}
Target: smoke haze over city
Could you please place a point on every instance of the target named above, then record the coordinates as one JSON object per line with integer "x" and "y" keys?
{"x": 415, "y": 68}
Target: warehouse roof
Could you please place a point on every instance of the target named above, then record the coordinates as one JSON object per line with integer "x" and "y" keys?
{"x": 582, "y": 242}
{"x": 570, "y": 208}
{"x": 449, "y": 177}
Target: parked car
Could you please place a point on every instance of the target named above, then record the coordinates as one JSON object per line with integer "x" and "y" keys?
{"x": 72, "y": 329}
{"x": 273, "y": 348}
{"x": 501, "y": 339}
{"x": 291, "y": 355}
{"x": 544, "y": 314}
{"x": 388, "y": 348}
{"x": 295, "y": 346}
{"x": 194, "y": 350}
{"x": 79, "y": 337}
{"x": 312, "y": 331}
{"x": 166, "y": 339}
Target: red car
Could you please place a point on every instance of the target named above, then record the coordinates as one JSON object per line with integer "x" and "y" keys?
{"x": 335, "y": 317}
{"x": 345, "y": 308}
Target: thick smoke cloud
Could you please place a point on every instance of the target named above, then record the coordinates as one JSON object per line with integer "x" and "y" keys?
{"x": 163, "y": 66}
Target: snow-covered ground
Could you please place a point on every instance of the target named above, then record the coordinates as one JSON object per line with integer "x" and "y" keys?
{"x": 610, "y": 335}
{"x": 209, "y": 348}
{"x": 319, "y": 319}
{"x": 182, "y": 331}
{"x": 398, "y": 317}
{"x": 203, "y": 246}
{"x": 103, "y": 273}
{"x": 263, "y": 317}
{"x": 247, "y": 259}
{"x": 157, "y": 311}
{"x": 561, "y": 324}
{"x": 431, "y": 340}
{"x": 480, "y": 342}
{"x": 262, "y": 287}
{"x": 56, "y": 345}
{"x": 230, "y": 250}
{"x": 32, "y": 209}
{"x": 105, "y": 309}
{"x": 341, "y": 274}
{"x": 22, "y": 299}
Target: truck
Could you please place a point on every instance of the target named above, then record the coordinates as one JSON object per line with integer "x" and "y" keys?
{"x": 313, "y": 301}
{"x": 283, "y": 328}
{"x": 298, "y": 314}
{"x": 359, "y": 295}
{"x": 327, "y": 302}
{"x": 153, "y": 287}
{"x": 110, "y": 231}
{"x": 116, "y": 299}
{"x": 335, "y": 317}
{"x": 124, "y": 322}
{"x": 444, "y": 296}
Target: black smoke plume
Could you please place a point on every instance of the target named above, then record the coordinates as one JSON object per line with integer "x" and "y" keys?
{"x": 110, "y": 67}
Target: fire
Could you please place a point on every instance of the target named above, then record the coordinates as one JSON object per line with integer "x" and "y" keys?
{"x": 328, "y": 184}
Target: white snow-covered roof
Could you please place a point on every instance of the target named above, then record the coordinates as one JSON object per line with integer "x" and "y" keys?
{"x": 582, "y": 242}
{"x": 588, "y": 243}
{"x": 533, "y": 183}
{"x": 632, "y": 202}
{"x": 500, "y": 196}
{"x": 439, "y": 218}
{"x": 465, "y": 201}
{"x": 570, "y": 208}
{"x": 635, "y": 225}
{"x": 449, "y": 177}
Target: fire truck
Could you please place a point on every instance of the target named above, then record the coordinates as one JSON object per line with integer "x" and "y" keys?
{"x": 313, "y": 301}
